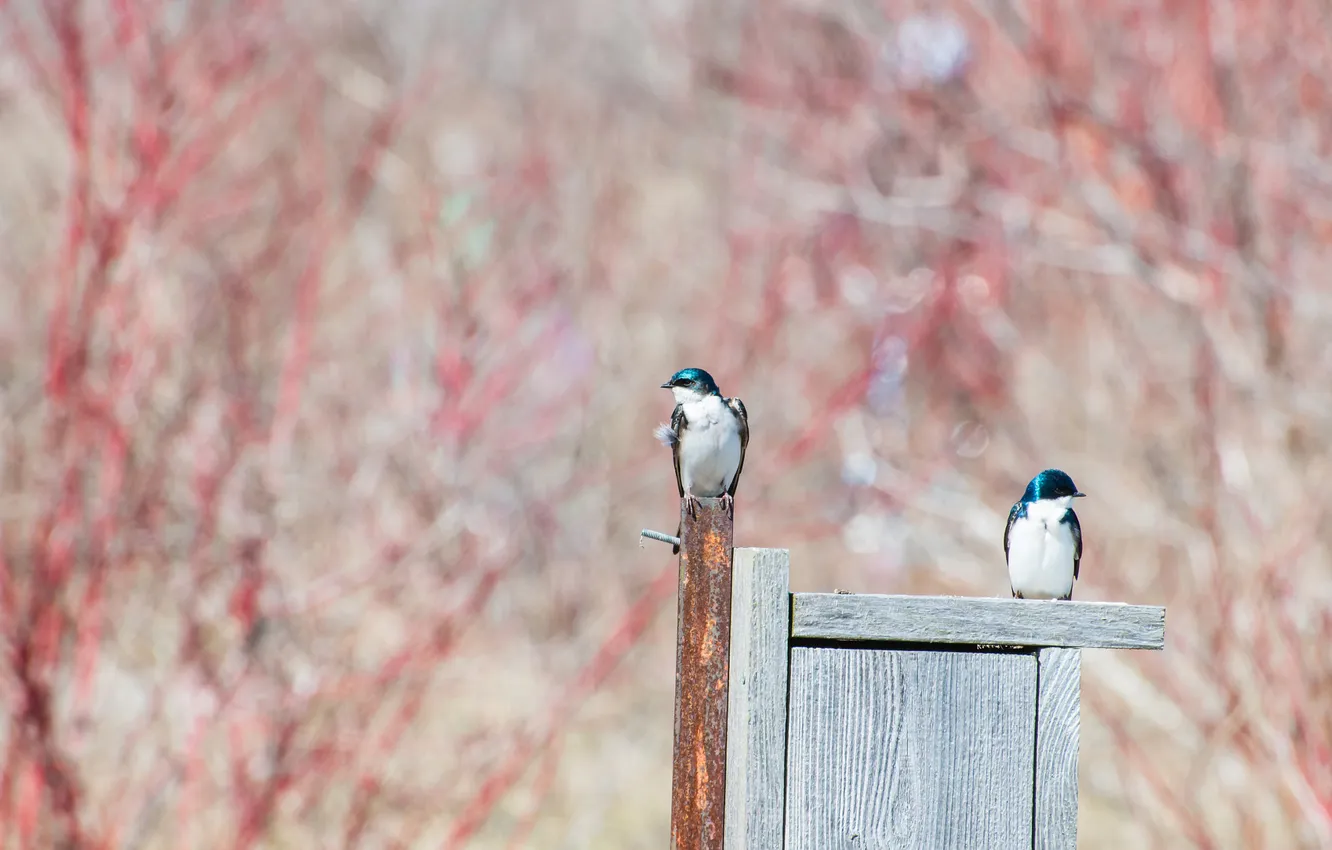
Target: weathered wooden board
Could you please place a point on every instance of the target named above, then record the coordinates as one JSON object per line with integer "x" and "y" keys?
{"x": 910, "y": 750}
{"x": 1058, "y": 721}
{"x": 756, "y": 756}
{"x": 976, "y": 620}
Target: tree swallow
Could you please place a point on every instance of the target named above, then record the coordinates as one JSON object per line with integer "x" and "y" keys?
{"x": 1043, "y": 540}
{"x": 708, "y": 436}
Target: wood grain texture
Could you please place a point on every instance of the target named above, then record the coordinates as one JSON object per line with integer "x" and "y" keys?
{"x": 756, "y": 758}
{"x": 971, "y": 620}
{"x": 907, "y": 750}
{"x": 1058, "y": 722}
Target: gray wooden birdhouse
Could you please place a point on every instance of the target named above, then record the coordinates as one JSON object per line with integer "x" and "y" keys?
{"x": 865, "y": 722}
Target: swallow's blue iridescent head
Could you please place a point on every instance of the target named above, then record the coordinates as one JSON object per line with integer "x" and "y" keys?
{"x": 1051, "y": 484}
{"x": 691, "y": 381}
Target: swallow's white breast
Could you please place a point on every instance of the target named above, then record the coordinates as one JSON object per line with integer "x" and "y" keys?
{"x": 709, "y": 447}
{"x": 1040, "y": 552}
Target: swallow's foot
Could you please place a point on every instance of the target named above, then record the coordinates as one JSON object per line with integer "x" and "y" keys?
{"x": 692, "y": 504}
{"x": 728, "y": 502}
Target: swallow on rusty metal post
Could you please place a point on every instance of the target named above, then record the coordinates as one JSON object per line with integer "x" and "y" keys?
{"x": 707, "y": 435}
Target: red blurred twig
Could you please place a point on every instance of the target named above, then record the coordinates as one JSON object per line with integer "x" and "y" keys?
{"x": 529, "y": 747}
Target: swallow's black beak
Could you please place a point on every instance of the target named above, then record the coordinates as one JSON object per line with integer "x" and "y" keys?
{"x": 1076, "y": 495}
{"x": 666, "y": 386}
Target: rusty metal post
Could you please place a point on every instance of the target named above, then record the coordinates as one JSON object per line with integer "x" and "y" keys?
{"x": 702, "y": 677}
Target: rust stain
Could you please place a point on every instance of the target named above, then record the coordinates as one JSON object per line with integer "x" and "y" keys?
{"x": 698, "y": 786}
{"x": 700, "y": 771}
{"x": 709, "y": 647}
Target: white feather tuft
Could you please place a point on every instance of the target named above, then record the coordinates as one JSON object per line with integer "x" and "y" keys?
{"x": 666, "y": 435}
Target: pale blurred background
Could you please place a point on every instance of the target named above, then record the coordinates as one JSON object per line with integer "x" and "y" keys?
{"x": 330, "y": 342}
